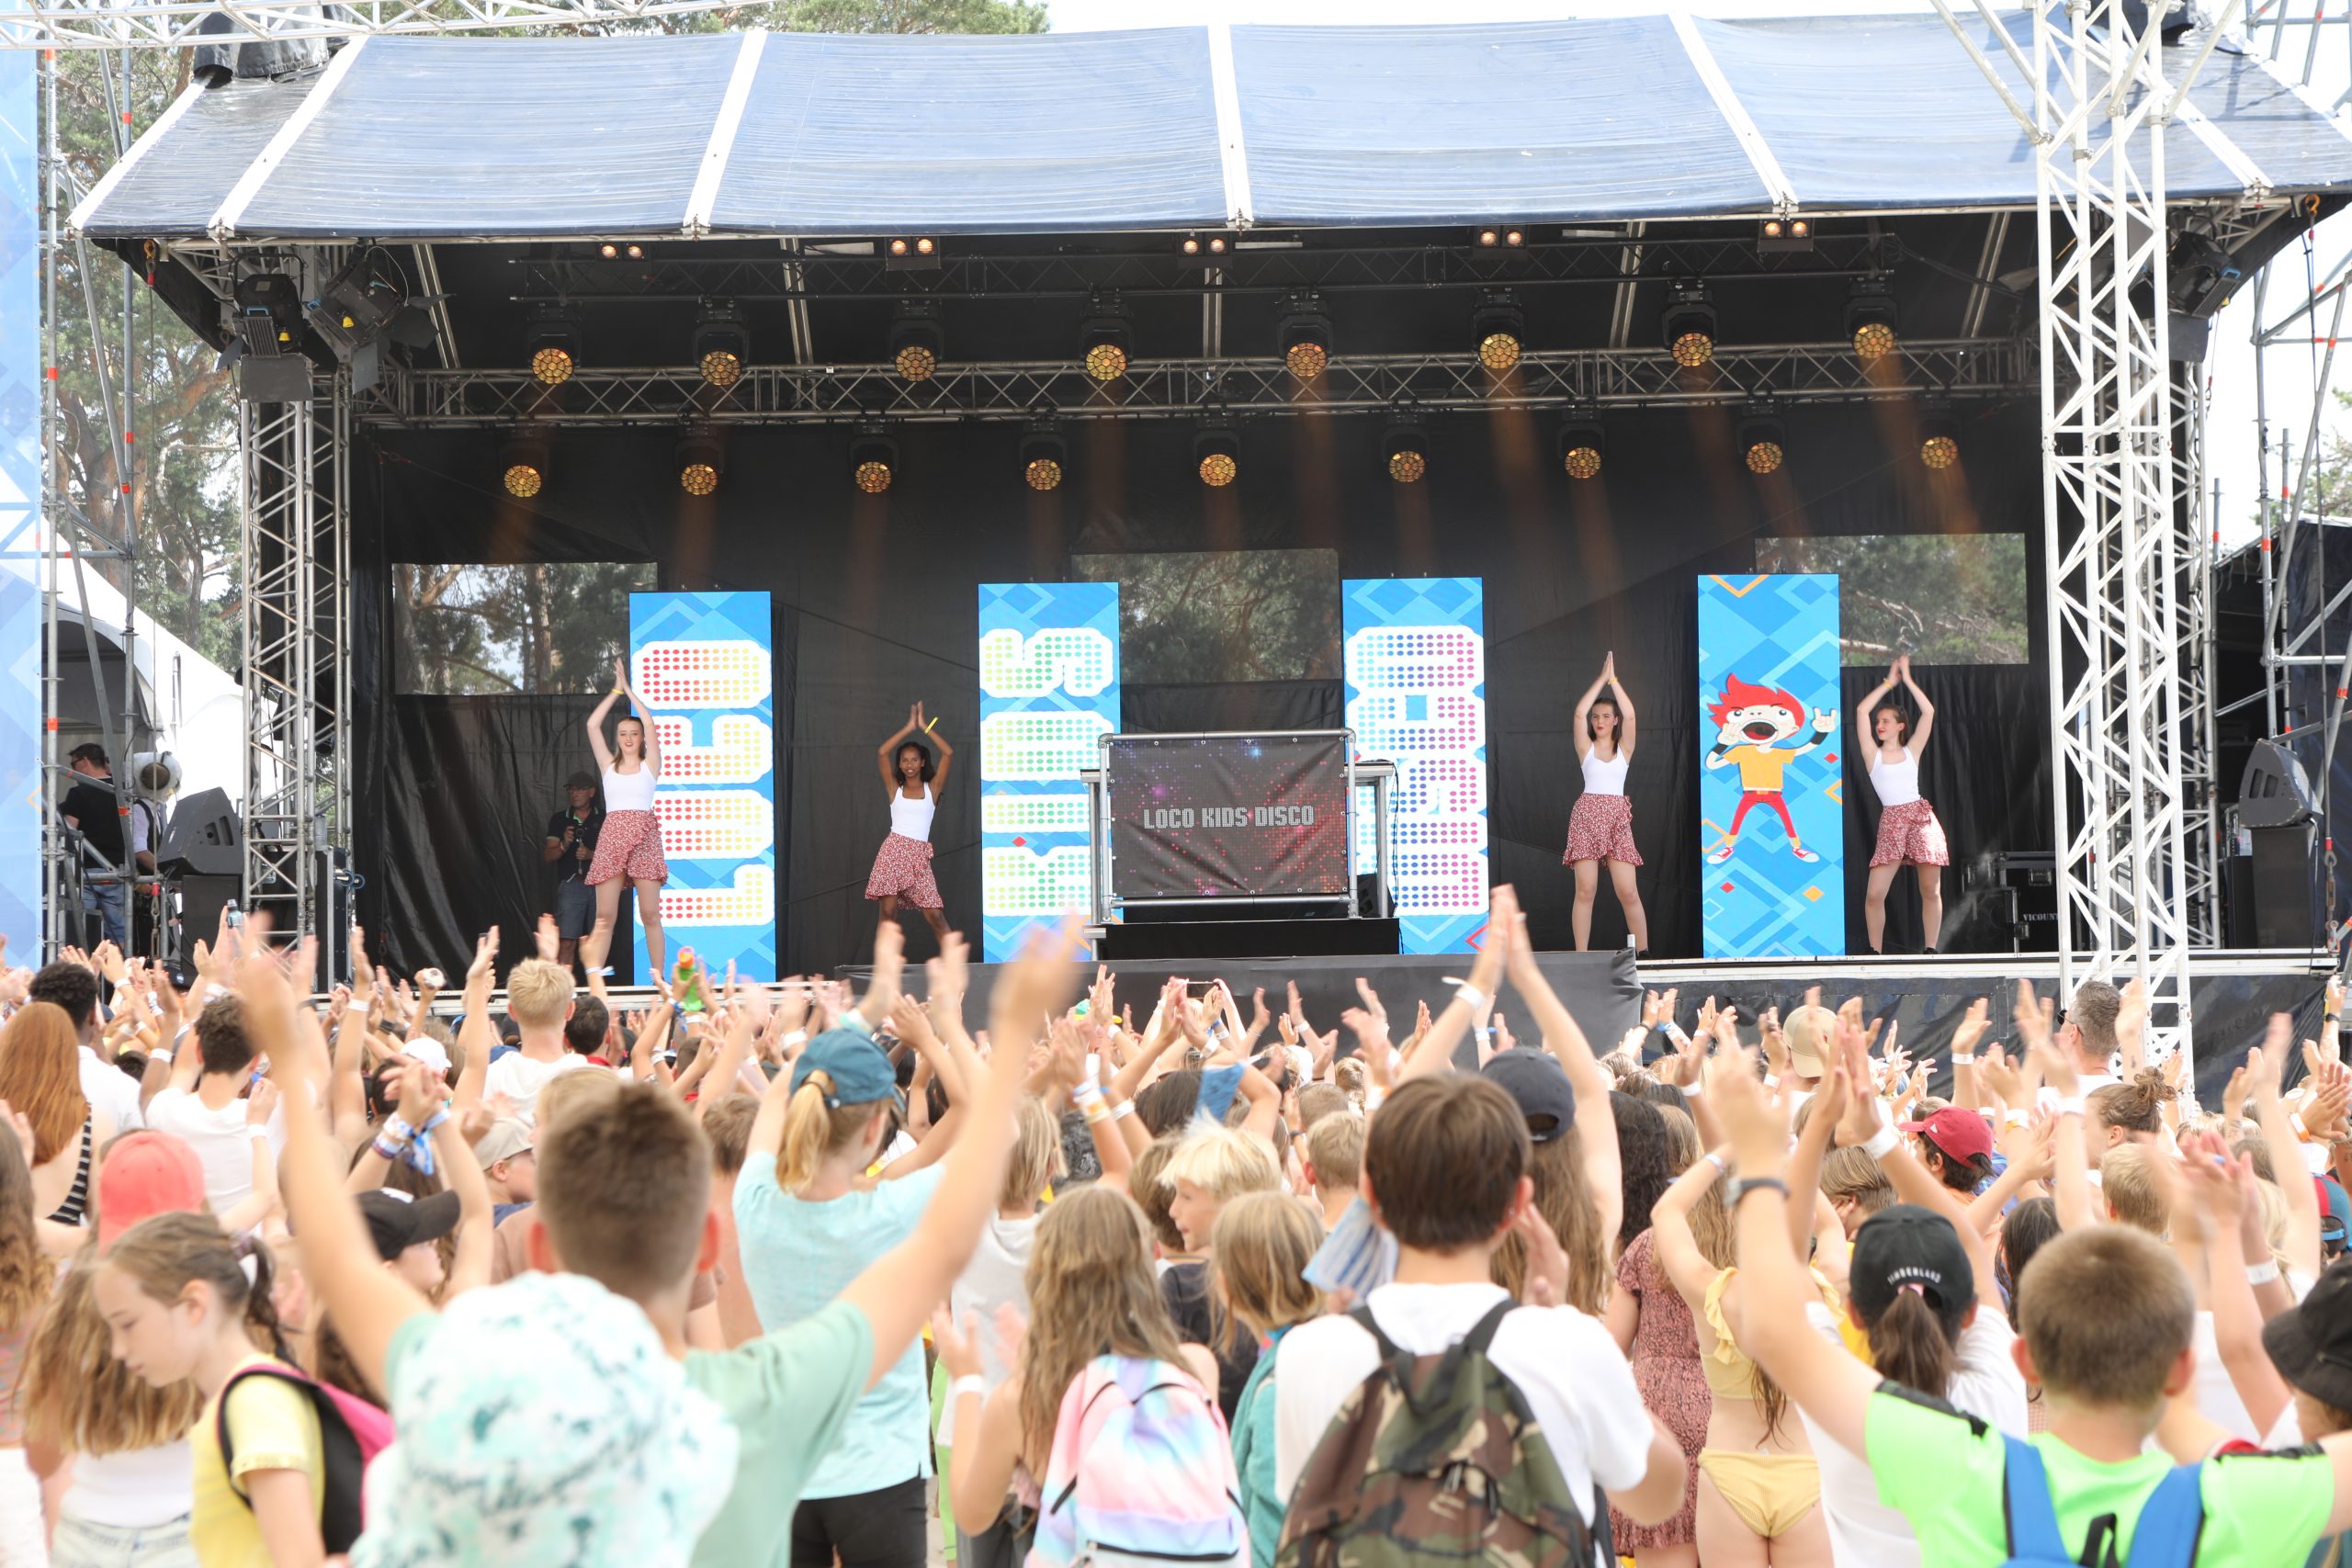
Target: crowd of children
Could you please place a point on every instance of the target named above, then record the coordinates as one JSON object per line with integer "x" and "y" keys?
{"x": 784, "y": 1275}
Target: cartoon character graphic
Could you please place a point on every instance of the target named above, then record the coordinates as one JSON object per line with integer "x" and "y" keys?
{"x": 1753, "y": 726}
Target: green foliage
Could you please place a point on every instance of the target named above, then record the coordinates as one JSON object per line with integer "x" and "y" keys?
{"x": 1224, "y": 614}
{"x": 530, "y": 630}
{"x": 1952, "y": 598}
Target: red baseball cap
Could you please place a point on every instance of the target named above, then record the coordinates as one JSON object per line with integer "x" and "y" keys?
{"x": 146, "y": 1173}
{"x": 1962, "y": 1134}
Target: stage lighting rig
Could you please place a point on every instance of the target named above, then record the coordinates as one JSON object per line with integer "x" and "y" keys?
{"x": 1584, "y": 441}
{"x": 722, "y": 344}
{"x": 1783, "y": 236}
{"x": 1107, "y": 335}
{"x": 523, "y": 463}
{"x": 1498, "y": 237}
{"x": 1870, "y": 318}
{"x": 1216, "y": 447}
{"x": 1405, "y": 446}
{"x": 1763, "y": 435}
{"x": 1045, "y": 456}
{"x": 1939, "y": 435}
{"x": 1689, "y": 324}
{"x": 551, "y": 344}
{"x": 1500, "y": 329}
{"x": 917, "y": 343}
{"x": 269, "y": 314}
{"x": 912, "y": 252}
{"x": 701, "y": 459}
{"x": 1305, "y": 332}
{"x": 872, "y": 457}
{"x": 366, "y": 300}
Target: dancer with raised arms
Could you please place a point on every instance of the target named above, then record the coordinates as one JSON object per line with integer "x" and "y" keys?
{"x": 902, "y": 866}
{"x": 1908, "y": 832}
{"x": 1601, "y": 825}
{"x": 629, "y": 844}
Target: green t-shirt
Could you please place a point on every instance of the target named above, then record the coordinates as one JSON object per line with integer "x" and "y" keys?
{"x": 1944, "y": 1470}
{"x": 788, "y": 1394}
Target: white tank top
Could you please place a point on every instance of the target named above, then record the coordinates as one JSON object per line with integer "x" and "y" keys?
{"x": 1604, "y": 776}
{"x": 630, "y": 791}
{"x": 912, "y": 819}
{"x": 1897, "y": 783}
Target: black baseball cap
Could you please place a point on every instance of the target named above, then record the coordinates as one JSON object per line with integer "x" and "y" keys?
{"x": 1904, "y": 1245}
{"x": 2311, "y": 1345}
{"x": 1535, "y": 1080}
{"x": 399, "y": 1221}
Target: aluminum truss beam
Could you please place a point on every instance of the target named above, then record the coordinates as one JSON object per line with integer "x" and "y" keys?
{"x": 174, "y": 24}
{"x": 1161, "y": 388}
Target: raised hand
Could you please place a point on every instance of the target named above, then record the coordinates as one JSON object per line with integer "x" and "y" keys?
{"x": 550, "y": 939}
{"x": 620, "y": 672}
{"x": 1971, "y": 1027}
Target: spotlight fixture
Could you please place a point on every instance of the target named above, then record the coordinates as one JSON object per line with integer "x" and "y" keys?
{"x": 1583, "y": 442}
{"x": 872, "y": 457}
{"x": 1045, "y": 456}
{"x": 1500, "y": 329}
{"x": 1491, "y": 237}
{"x": 1783, "y": 236}
{"x": 1305, "y": 334}
{"x": 1763, "y": 436}
{"x": 522, "y": 464}
{"x": 1689, "y": 324}
{"x": 1107, "y": 336}
{"x": 1939, "y": 435}
{"x": 636, "y": 252}
{"x": 1216, "y": 245}
{"x": 1216, "y": 448}
{"x": 721, "y": 344}
{"x": 916, "y": 343}
{"x": 701, "y": 460}
{"x": 1191, "y": 246}
{"x": 1405, "y": 446}
{"x": 1871, "y": 318}
{"x": 609, "y": 250}
{"x": 910, "y": 253}
{"x": 551, "y": 344}
{"x": 361, "y": 303}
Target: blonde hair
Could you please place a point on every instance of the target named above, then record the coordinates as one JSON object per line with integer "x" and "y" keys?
{"x": 538, "y": 994}
{"x": 1564, "y": 1198}
{"x": 2135, "y": 1193}
{"x": 1223, "y": 1162}
{"x": 75, "y": 1396}
{"x": 1851, "y": 1176}
{"x": 1036, "y": 1156}
{"x": 565, "y": 1093}
{"x": 26, "y": 1271}
{"x": 813, "y": 1130}
{"x": 1335, "y": 1149}
{"x": 1262, "y": 1243}
{"x": 2274, "y": 1219}
{"x": 1348, "y": 1074}
{"x": 1091, "y": 1291}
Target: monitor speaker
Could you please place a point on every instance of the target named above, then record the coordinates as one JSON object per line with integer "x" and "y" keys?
{"x": 203, "y": 839}
{"x": 2274, "y": 792}
{"x": 2282, "y": 883}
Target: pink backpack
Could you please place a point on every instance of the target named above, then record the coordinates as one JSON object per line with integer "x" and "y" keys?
{"x": 1141, "y": 1472}
{"x": 352, "y": 1432}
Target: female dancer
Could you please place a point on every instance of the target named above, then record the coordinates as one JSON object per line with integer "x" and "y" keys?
{"x": 631, "y": 844}
{"x": 1908, "y": 833}
{"x": 1601, "y": 828}
{"x": 902, "y": 868}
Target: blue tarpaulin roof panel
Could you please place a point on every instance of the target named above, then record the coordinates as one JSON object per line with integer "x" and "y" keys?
{"x": 1561, "y": 121}
{"x": 181, "y": 172}
{"x": 1081, "y": 133}
{"x": 2290, "y": 140}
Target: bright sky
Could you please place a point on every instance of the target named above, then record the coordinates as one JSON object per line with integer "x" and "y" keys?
{"x": 2231, "y": 428}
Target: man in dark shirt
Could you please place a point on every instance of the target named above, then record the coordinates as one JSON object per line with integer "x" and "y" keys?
{"x": 90, "y": 806}
{"x": 571, "y": 847}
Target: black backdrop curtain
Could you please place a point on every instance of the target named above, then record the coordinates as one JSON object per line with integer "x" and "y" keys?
{"x": 875, "y": 608}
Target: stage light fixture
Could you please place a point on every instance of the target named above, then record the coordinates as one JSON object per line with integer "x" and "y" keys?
{"x": 1107, "y": 336}
{"x": 1500, "y": 329}
{"x": 269, "y": 313}
{"x": 910, "y": 253}
{"x": 551, "y": 344}
{"x": 917, "y": 344}
{"x": 636, "y": 252}
{"x": 701, "y": 459}
{"x": 1583, "y": 442}
{"x": 1783, "y": 236}
{"x": 872, "y": 457}
{"x": 1216, "y": 245}
{"x": 1216, "y": 447}
{"x": 1045, "y": 456}
{"x": 1763, "y": 436}
{"x": 522, "y": 464}
{"x": 1689, "y": 324}
{"x": 1514, "y": 237}
{"x": 1192, "y": 245}
{"x": 1870, "y": 318}
{"x": 1405, "y": 446}
{"x": 609, "y": 250}
{"x": 722, "y": 344}
{"x": 1939, "y": 436}
{"x": 1304, "y": 333}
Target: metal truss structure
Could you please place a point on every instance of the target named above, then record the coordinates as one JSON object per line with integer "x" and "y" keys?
{"x": 1162, "y": 388}
{"x": 175, "y": 24}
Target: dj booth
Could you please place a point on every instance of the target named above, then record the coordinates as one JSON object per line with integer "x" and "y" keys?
{"x": 1231, "y": 845}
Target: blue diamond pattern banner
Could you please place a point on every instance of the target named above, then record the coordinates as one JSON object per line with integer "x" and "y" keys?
{"x": 1772, "y": 806}
{"x": 20, "y": 614}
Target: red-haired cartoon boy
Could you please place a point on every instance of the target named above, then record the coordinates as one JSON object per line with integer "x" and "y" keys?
{"x": 1752, "y": 725}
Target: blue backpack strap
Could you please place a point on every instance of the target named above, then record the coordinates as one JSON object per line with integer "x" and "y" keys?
{"x": 2170, "y": 1521}
{"x": 2030, "y": 1517}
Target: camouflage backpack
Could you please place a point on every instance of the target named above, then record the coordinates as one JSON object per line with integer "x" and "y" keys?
{"x": 1437, "y": 1458}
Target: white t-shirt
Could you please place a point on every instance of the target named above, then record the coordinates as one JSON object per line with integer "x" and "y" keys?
{"x": 221, "y": 1139}
{"x": 995, "y": 1276}
{"x": 520, "y": 1078}
{"x": 137, "y": 1489}
{"x": 2216, "y": 1395}
{"x": 1985, "y": 1384}
{"x": 111, "y": 1091}
{"x": 1576, "y": 1380}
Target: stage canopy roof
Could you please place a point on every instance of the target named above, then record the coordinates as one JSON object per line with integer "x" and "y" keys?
{"x": 405, "y": 138}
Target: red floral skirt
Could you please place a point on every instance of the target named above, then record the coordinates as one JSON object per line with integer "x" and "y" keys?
{"x": 1600, "y": 827}
{"x": 903, "y": 867}
{"x": 629, "y": 845}
{"x": 1910, "y": 835}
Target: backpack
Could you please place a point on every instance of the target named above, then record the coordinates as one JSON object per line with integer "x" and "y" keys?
{"x": 2165, "y": 1536}
{"x": 1438, "y": 1459}
{"x": 352, "y": 1432}
{"x": 1141, "y": 1470}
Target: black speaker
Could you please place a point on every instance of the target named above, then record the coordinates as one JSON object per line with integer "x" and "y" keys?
{"x": 203, "y": 839}
{"x": 2283, "y": 884}
{"x": 2274, "y": 792}
{"x": 201, "y": 899}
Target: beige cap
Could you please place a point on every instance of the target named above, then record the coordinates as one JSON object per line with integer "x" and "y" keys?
{"x": 507, "y": 1138}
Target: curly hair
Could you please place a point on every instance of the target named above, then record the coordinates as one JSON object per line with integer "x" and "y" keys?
{"x": 1641, "y": 1159}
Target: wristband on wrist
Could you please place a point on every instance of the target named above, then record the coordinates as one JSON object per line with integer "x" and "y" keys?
{"x": 1718, "y": 1161}
{"x": 1742, "y": 1186}
{"x": 1881, "y": 1143}
{"x": 1471, "y": 995}
{"x": 1673, "y": 1031}
{"x": 970, "y": 1382}
{"x": 1771, "y": 1080}
{"x": 2017, "y": 1119}
{"x": 2067, "y": 1105}
{"x": 1967, "y": 1061}
{"x": 2262, "y": 1273}
{"x": 161, "y": 1054}
{"x": 1125, "y": 1108}
{"x": 2295, "y": 1119}
{"x": 1693, "y": 1090}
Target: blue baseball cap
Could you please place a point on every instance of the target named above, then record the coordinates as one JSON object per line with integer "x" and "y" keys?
{"x": 2334, "y": 1211}
{"x": 861, "y": 1073}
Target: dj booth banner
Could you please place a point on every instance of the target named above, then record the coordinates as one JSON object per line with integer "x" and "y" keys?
{"x": 1772, "y": 802}
{"x": 1223, "y": 815}
{"x": 1416, "y": 665}
{"x": 1049, "y": 691}
{"x": 705, "y": 667}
